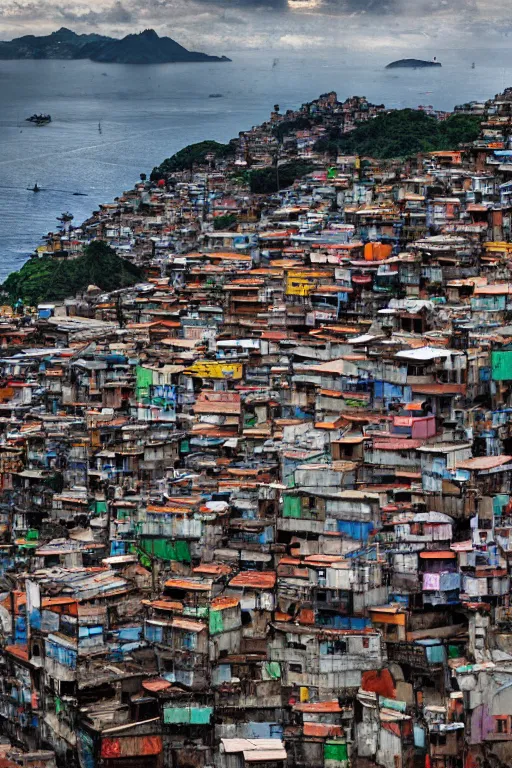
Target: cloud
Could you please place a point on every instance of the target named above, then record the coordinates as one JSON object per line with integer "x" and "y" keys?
{"x": 418, "y": 9}
{"x": 229, "y": 25}
{"x": 299, "y": 41}
{"x": 115, "y": 14}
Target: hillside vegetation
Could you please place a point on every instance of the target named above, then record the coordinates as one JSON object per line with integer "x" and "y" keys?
{"x": 189, "y": 156}
{"x": 264, "y": 181}
{"x": 54, "y": 279}
{"x": 403, "y": 132}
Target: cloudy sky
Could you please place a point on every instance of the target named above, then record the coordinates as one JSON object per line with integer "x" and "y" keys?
{"x": 218, "y": 26}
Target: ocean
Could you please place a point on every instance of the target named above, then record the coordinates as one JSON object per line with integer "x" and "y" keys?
{"x": 113, "y": 122}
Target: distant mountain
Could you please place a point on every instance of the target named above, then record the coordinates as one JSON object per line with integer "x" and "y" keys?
{"x": 63, "y": 44}
{"x": 144, "y": 48}
{"x": 413, "y": 63}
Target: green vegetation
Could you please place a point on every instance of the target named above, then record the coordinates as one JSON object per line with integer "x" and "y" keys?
{"x": 285, "y": 127}
{"x": 225, "y": 222}
{"x": 402, "y": 133}
{"x": 54, "y": 279}
{"x": 189, "y": 156}
{"x": 264, "y": 181}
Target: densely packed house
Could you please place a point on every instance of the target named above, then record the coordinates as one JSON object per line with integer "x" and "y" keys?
{"x": 256, "y": 510}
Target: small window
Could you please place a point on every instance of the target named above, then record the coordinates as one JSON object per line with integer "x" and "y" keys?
{"x": 295, "y": 667}
{"x": 246, "y": 618}
{"x": 501, "y": 725}
{"x": 337, "y": 647}
{"x": 366, "y": 642}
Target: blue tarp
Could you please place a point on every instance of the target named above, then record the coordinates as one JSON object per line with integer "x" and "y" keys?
{"x": 355, "y": 529}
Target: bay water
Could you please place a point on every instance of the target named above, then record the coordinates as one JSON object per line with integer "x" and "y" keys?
{"x": 112, "y": 122}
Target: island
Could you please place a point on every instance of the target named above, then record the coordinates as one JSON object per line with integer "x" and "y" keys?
{"x": 413, "y": 64}
{"x": 143, "y": 48}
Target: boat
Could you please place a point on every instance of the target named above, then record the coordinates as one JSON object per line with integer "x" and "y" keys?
{"x": 473, "y": 65}
{"x": 41, "y": 119}
{"x": 215, "y": 95}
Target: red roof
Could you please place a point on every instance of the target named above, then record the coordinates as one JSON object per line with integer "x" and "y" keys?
{"x": 439, "y": 389}
{"x": 209, "y": 401}
{"x": 221, "y": 603}
{"x": 397, "y": 445}
{"x": 20, "y": 651}
{"x": 274, "y": 335}
{"x": 254, "y": 579}
{"x": 158, "y": 684}
{"x": 166, "y": 605}
{"x": 437, "y": 554}
{"x": 188, "y": 584}
{"x": 481, "y": 463}
{"x": 318, "y": 706}
{"x": 322, "y": 729}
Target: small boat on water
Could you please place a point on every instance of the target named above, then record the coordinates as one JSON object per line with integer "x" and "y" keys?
{"x": 215, "y": 95}
{"x": 41, "y": 119}
{"x": 37, "y": 188}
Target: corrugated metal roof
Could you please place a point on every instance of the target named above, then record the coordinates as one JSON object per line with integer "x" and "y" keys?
{"x": 189, "y": 584}
{"x": 264, "y": 755}
{"x": 484, "y": 462}
{"x": 396, "y": 444}
{"x": 318, "y": 707}
{"x": 254, "y": 580}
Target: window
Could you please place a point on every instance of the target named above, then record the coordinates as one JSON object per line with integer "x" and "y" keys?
{"x": 336, "y": 647}
{"x": 67, "y": 688}
{"x": 366, "y": 642}
{"x": 246, "y": 618}
{"x": 189, "y": 641}
{"x": 502, "y": 725}
{"x": 295, "y": 668}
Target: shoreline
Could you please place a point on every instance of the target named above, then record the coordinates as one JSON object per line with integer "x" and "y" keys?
{"x": 295, "y": 112}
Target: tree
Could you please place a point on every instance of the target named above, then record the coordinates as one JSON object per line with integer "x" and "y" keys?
{"x": 264, "y": 181}
{"x": 404, "y": 132}
{"x": 224, "y": 222}
{"x": 194, "y": 154}
{"x": 54, "y": 279}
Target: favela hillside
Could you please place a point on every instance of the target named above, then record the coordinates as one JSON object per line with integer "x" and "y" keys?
{"x": 256, "y": 455}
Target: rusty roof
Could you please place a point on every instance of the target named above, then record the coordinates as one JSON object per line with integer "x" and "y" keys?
{"x": 318, "y": 707}
{"x": 396, "y": 444}
{"x": 209, "y": 401}
{"x": 323, "y": 730}
{"x": 189, "y": 584}
{"x": 254, "y": 579}
{"x": 481, "y": 463}
{"x": 222, "y": 603}
{"x": 439, "y": 389}
{"x": 20, "y": 651}
{"x": 156, "y": 685}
